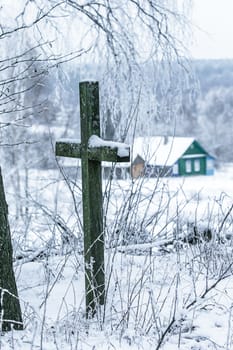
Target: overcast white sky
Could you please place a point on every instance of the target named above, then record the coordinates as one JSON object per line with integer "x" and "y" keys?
{"x": 214, "y": 39}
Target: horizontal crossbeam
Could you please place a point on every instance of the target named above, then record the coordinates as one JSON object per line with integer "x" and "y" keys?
{"x": 68, "y": 149}
{"x": 101, "y": 153}
{"x": 108, "y": 154}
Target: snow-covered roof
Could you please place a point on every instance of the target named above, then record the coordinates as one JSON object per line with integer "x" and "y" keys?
{"x": 161, "y": 150}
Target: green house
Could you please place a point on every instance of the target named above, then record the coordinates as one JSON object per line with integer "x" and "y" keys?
{"x": 170, "y": 156}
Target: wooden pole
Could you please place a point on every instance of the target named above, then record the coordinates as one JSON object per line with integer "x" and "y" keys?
{"x": 92, "y": 200}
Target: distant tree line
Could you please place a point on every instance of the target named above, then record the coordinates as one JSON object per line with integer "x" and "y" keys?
{"x": 211, "y": 111}
{"x": 205, "y": 109}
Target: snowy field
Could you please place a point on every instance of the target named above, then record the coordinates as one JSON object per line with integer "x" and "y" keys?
{"x": 163, "y": 291}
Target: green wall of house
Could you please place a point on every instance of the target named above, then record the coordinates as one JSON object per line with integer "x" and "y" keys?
{"x": 192, "y": 169}
{"x": 193, "y": 165}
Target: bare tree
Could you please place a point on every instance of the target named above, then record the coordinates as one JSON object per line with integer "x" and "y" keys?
{"x": 10, "y": 312}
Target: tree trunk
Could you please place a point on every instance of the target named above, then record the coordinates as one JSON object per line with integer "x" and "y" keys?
{"x": 10, "y": 311}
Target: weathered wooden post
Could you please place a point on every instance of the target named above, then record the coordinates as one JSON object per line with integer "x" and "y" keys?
{"x": 92, "y": 150}
{"x": 10, "y": 311}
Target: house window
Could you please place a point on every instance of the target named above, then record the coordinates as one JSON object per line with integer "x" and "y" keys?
{"x": 188, "y": 166}
{"x": 175, "y": 169}
{"x": 197, "y": 165}
{"x": 210, "y": 163}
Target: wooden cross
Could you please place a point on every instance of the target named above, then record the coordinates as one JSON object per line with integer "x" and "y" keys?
{"x": 92, "y": 150}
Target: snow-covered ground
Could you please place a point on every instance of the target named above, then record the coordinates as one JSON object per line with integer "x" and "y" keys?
{"x": 164, "y": 294}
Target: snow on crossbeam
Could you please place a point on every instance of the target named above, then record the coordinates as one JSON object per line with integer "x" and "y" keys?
{"x": 103, "y": 150}
{"x": 98, "y": 149}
